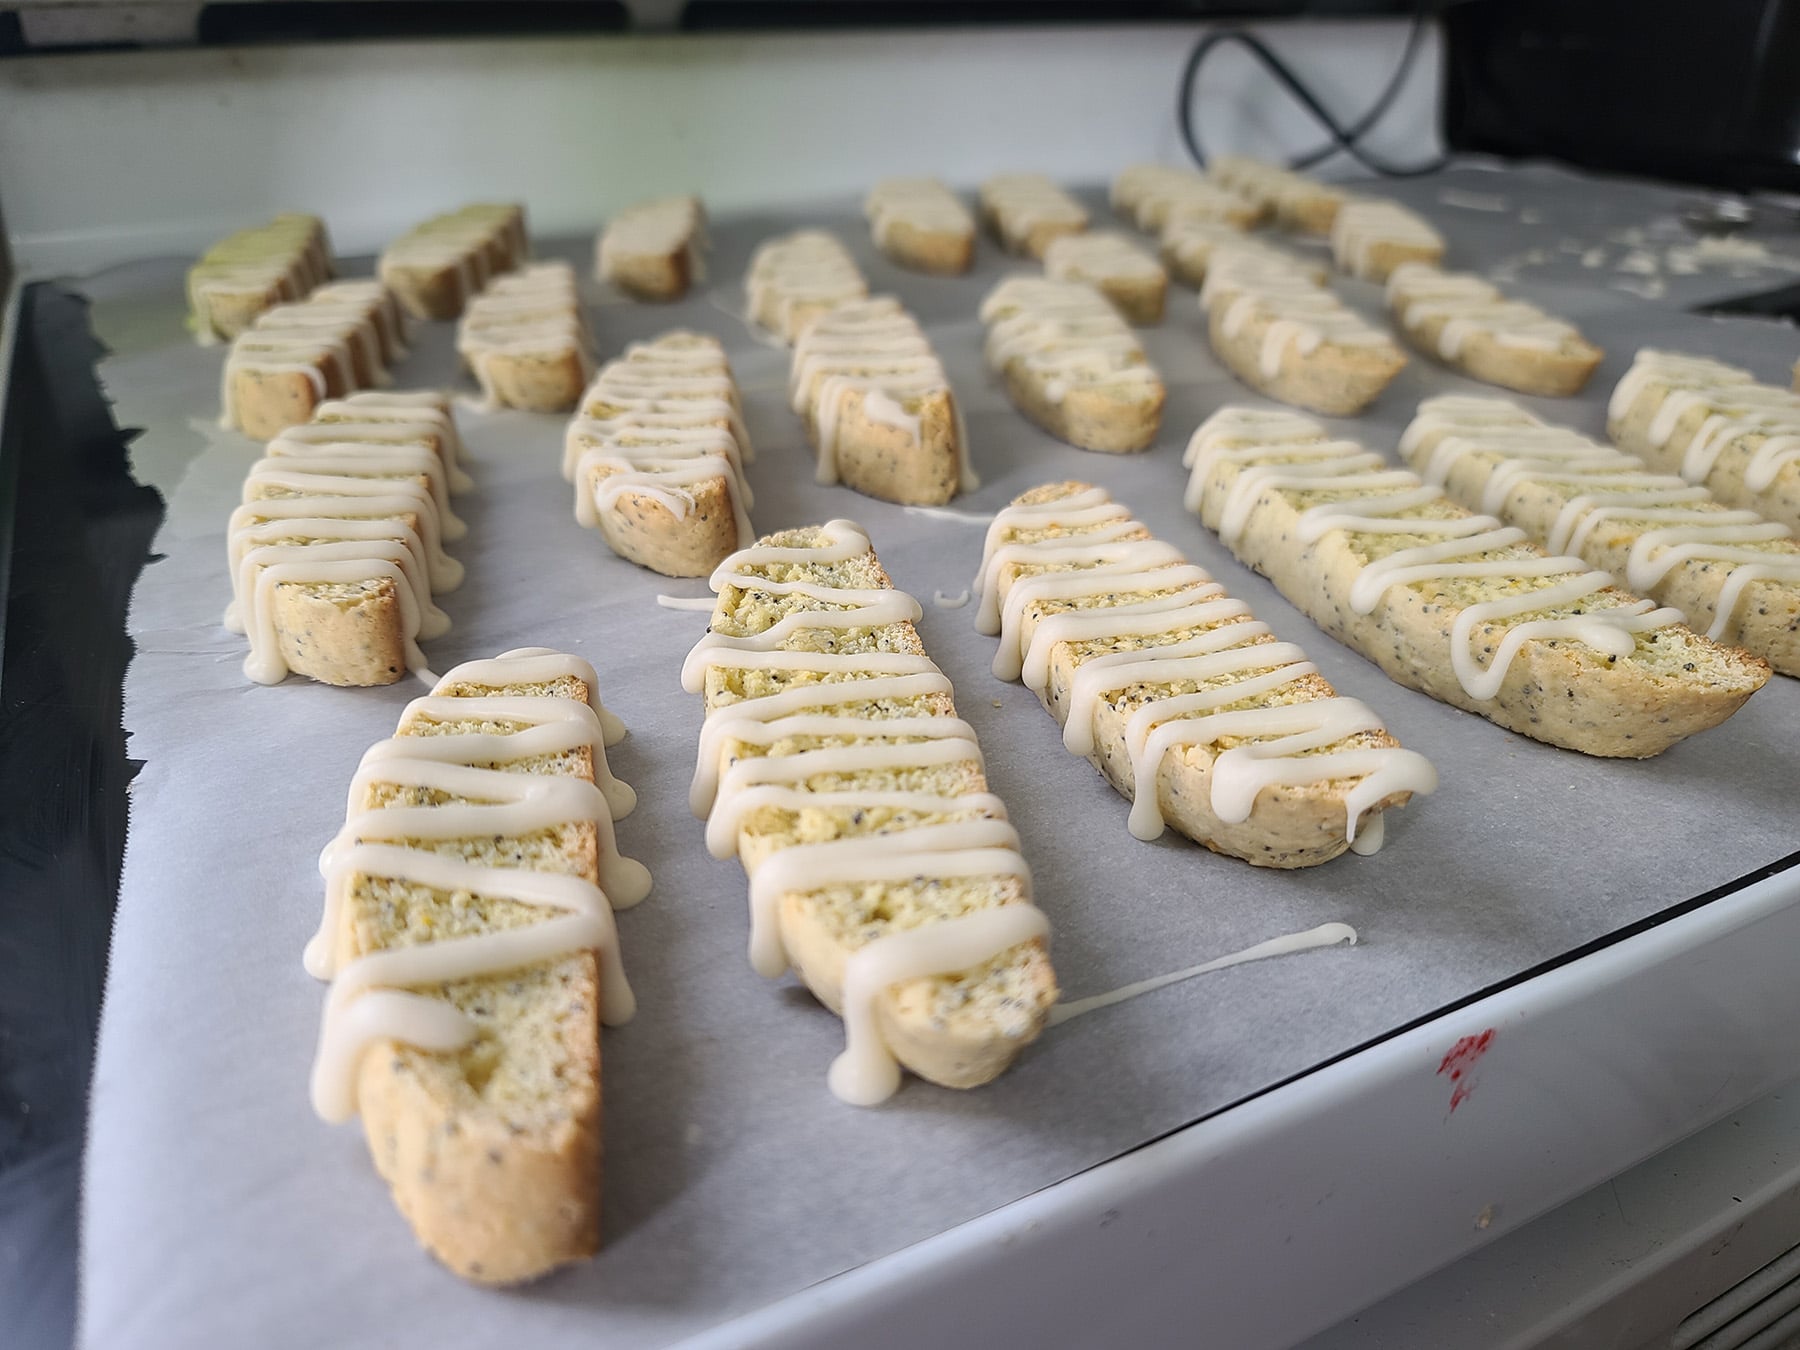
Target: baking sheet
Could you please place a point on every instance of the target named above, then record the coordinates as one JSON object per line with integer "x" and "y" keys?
{"x": 216, "y": 1204}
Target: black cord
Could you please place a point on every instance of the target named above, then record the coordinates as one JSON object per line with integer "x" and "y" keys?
{"x": 1343, "y": 139}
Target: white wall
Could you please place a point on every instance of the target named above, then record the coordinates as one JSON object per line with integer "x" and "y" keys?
{"x": 106, "y": 156}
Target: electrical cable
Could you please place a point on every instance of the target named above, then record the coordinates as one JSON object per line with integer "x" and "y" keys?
{"x": 1344, "y": 140}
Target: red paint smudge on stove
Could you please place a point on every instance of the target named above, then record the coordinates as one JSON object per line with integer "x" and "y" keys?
{"x": 1460, "y": 1061}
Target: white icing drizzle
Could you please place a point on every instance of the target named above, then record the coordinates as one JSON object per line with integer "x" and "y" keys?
{"x": 673, "y": 424}
{"x": 1762, "y": 420}
{"x": 273, "y": 263}
{"x": 1325, "y": 935}
{"x": 534, "y": 312}
{"x": 795, "y": 276}
{"x": 730, "y": 787}
{"x": 1364, "y": 496}
{"x": 695, "y": 604}
{"x": 1019, "y": 203}
{"x": 654, "y": 229}
{"x": 1281, "y": 191}
{"x": 1466, "y": 307}
{"x": 339, "y": 337}
{"x": 1188, "y": 244}
{"x": 377, "y": 996}
{"x": 368, "y": 501}
{"x": 1671, "y": 521}
{"x": 1361, "y": 225}
{"x": 921, "y": 204}
{"x": 870, "y": 356}
{"x": 1101, "y": 258}
{"x": 1095, "y": 549}
{"x": 476, "y": 242}
{"x": 1063, "y": 335}
{"x": 957, "y": 601}
{"x": 1248, "y": 287}
{"x": 1155, "y": 195}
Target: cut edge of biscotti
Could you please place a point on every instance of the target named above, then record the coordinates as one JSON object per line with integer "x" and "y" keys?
{"x": 1288, "y": 824}
{"x": 654, "y": 250}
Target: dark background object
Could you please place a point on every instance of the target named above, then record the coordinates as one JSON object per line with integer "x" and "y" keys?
{"x": 1702, "y": 93}
{"x": 74, "y": 533}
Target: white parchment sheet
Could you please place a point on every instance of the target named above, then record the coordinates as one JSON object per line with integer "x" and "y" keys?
{"x": 220, "y": 1211}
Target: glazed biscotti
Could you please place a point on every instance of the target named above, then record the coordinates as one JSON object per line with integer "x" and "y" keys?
{"x": 526, "y": 341}
{"x": 1188, "y": 246}
{"x": 1172, "y": 689}
{"x": 797, "y": 277}
{"x": 1468, "y": 324}
{"x": 468, "y": 935}
{"x": 1713, "y": 424}
{"x": 654, "y": 250}
{"x": 878, "y": 406}
{"x": 1729, "y": 571}
{"x": 1294, "y": 200}
{"x": 1026, "y": 211}
{"x": 254, "y": 270}
{"x": 1152, "y": 196}
{"x": 436, "y": 267}
{"x": 337, "y": 551}
{"x": 921, "y": 224}
{"x": 1371, "y": 237}
{"x": 1456, "y": 604}
{"x": 1115, "y": 266}
{"x": 1071, "y": 365}
{"x": 657, "y": 455}
{"x": 1284, "y": 335}
{"x": 882, "y": 869}
{"x": 292, "y": 358}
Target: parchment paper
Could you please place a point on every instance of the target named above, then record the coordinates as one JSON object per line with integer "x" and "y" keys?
{"x": 218, "y": 1210}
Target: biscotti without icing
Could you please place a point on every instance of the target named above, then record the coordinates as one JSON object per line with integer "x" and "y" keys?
{"x": 1071, "y": 364}
{"x": 878, "y": 406}
{"x": 253, "y": 270}
{"x": 1456, "y": 604}
{"x": 1467, "y": 323}
{"x": 654, "y": 250}
{"x": 657, "y": 454}
{"x": 882, "y": 870}
{"x": 1728, "y": 571}
{"x": 1172, "y": 689}
{"x": 469, "y": 938}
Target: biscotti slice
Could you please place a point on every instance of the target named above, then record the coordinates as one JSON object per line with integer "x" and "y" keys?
{"x": 1115, "y": 266}
{"x": 1453, "y": 603}
{"x": 295, "y": 357}
{"x": 1713, "y": 424}
{"x": 469, "y": 938}
{"x": 1371, "y": 237}
{"x": 336, "y": 551}
{"x": 1187, "y": 247}
{"x": 878, "y": 406}
{"x": 436, "y": 267}
{"x": 1284, "y": 335}
{"x": 1172, "y": 689}
{"x": 654, "y": 250}
{"x": 421, "y": 416}
{"x": 1296, "y": 201}
{"x": 921, "y": 224}
{"x": 796, "y": 277}
{"x": 1467, "y": 323}
{"x": 1072, "y": 365}
{"x": 882, "y": 869}
{"x": 1152, "y": 196}
{"x": 655, "y": 458}
{"x": 526, "y": 341}
{"x": 1730, "y": 571}
{"x": 1026, "y": 211}
{"x": 253, "y": 270}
